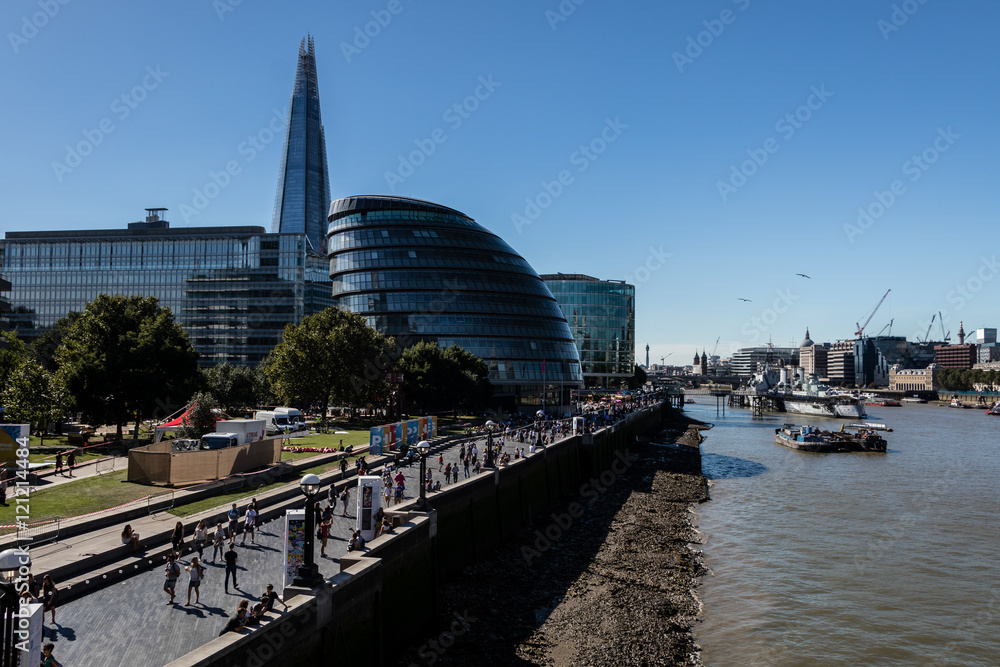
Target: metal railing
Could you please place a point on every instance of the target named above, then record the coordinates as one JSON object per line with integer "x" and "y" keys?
{"x": 106, "y": 464}
{"x": 38, "y": 532}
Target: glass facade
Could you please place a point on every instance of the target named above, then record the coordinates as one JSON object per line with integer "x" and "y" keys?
{"x": 420, "y": 271}
{"x": 233, "y": 289}
{"x": 300, "y": 204}
{"x": 601, "y": 317}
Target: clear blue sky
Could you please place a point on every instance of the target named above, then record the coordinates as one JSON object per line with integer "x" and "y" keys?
{"x": 678, "y": 128}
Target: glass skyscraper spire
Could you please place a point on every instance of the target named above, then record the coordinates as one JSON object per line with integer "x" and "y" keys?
{"x": 303, "y": 198}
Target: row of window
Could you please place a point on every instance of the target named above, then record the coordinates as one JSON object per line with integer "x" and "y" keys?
{"x": 366, "y": 238}
{"x": 426, "y": 259}
{"x": 584, "y": 289}
{"x": 446, "y": 281}
{"x": 430, "y": 302}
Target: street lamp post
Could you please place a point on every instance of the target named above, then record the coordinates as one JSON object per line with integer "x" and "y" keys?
{"x": 488, "y": 457}
{"x": 309, "y": 576}
{"x": 422, "y": 504}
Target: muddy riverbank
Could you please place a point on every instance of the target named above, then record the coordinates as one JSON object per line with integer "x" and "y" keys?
{"x": 606, "y": 578}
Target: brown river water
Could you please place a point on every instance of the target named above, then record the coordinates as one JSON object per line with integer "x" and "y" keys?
{"x": 851, "y": 558}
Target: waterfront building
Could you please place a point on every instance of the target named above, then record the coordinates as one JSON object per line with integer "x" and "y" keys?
{"x": 913, "y": 379}
{"x": 233, "y": 289}
{"x": 985, "y": 336}
{"x": 840, "y": 363}
{"x": 987, "y": 353}
{"x": 871, "y": 368}
{"x": 4, "y": 304}
{"x": 813, "y": 356}
{"x": 746, "y": 361}
{"x": 303, "y": 196}
{"x": 956, "y": 356}
{"x": 601, "y": 317}
{"x": 417, "y": 270}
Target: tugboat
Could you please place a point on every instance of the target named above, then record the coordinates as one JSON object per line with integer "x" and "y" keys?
{"x": 995, "y": 410}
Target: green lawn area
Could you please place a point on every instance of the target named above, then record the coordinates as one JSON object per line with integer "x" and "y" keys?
{"x": 75, "y": 498}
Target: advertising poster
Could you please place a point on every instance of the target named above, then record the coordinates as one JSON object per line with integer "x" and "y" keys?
{"x": 423, "y": 428}
{"x": 400, "y": 431}
{"x": 295, "y": 544}
{"x": 434, "y": 426}
{"x": 412, "y": 432}
{"x": 390, "y": 434}
{"x": 9, "y": 433}
{"x": 369, "y": 501}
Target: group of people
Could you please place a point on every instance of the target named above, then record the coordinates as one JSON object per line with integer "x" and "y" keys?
{"x": 70, "y": 462}
{"x": 247, "y": 616}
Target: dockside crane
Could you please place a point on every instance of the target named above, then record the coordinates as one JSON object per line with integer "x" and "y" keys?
{"x": 861, "y": 327}
{"x": 947, "y": 336}
{"x": 888, "y": 326}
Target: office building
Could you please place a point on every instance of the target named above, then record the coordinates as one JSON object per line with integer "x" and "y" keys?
{"x": 746, "y": 361}
{"x": 911, "y": 380}
{"x": 303, "y": 196}
{"x": 417, "y": 270}
{"x": 233, "y": 289}
{"x": 813, "y": 356}
{"x": 956, "y": 356}
{"x": 601, "y": 317}
{"x": 840, "y": 363}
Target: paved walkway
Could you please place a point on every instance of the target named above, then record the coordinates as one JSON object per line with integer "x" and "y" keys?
{"x": 130, "y": 623}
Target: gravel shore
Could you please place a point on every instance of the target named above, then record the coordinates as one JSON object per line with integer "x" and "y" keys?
{"x": 613, "y": 586}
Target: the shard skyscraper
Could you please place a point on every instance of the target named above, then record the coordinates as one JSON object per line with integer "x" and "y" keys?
{"x": 303, "y": 198}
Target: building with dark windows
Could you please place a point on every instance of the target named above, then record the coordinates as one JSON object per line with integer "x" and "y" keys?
{"x": 747, "y": 360}
{"x": 4, "y": 303}
{"x": 233, "y": 289}
{"x": 303, "y": 196}
{"x": 421, "y": 271}
{"x": 956, "y": 356}
{"x": 601, "y": 317}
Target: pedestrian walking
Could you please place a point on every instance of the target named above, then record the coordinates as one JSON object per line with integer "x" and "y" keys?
{"x": 398, "y": 493}
{"x": 343, "y": 467}
{"x": 249, "y": 524}
{"x": 218, "y": 540}
{"x": 231, "y": 558}
{"x": 234, "y": 523}
{"x": 177, "y": 537}
{"x": 324, "y": 535}
{"x": 465, "y": 465}
{"x": 200, "y": 538}
{"x": 171, "y": 571}
{"x": 50, "y": 594}
{"x": 345, "y": 498}
{"x": 447, "y": 473}
{"x": 454, "y": 472}
{"x": 59, "y": 463}
{"x": 71, "y": 461}
{"x": 387, "y": 494}
{"x": 197, "y": 571}
{"x": 440, "y": 462}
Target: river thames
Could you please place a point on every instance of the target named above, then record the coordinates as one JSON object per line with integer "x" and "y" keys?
{"x": 851, "y": 558}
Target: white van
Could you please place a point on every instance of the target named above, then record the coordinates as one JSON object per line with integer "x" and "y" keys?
{"x": 281, "y": 420}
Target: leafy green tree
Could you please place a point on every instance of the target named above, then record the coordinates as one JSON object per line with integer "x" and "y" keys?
{"x": 124, "y": 358}
{"x": 12, "y": 350}
{"x": 638, "y": 378}
{"x": 444, "y": 379}
{"x": 331, "y": 357}
{"x": 44, "y": 347}
{"x": 237, "y": 388}
{"x": 34, "y": 395}
{"x": 200, "y": 415}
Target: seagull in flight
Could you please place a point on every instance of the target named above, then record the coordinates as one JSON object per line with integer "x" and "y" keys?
{"x": 803, "y": 275}
{"x": 742, "y": 299}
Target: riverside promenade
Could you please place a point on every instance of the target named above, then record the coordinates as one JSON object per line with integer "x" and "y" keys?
{"x": 129, "y": 622}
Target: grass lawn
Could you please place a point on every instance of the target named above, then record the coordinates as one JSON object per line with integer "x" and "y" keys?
{"x": 75, "y": 498}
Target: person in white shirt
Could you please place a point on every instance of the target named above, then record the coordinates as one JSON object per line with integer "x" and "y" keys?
{"x": 249, "y": 524}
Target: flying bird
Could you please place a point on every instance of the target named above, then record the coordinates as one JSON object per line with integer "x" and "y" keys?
{"x": 742, "y": 299}
{"x": 803, "y": 275}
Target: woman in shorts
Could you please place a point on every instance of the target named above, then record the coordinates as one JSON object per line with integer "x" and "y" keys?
{"x": 197, "y": 571}
{"x": 398, "y": 493}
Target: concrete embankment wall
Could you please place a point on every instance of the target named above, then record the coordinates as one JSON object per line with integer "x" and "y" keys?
{"x": 387, "y": 596}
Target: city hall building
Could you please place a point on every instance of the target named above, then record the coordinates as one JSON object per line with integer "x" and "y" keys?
{"x": 417, "y": 270}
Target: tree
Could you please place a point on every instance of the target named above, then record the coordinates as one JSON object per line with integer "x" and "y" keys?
{"x": 331, "y": 357}
{"x": 200, "y": 416}
{"x": 34, "y": 395}
{"x": 12, "y": 350}
{"x": 125, "y": 358}
{"x": 449, "y": 379}
{"x": 638, "y": 378}
{"x": 44, "y": 347}
{"x": 237, "y": 388}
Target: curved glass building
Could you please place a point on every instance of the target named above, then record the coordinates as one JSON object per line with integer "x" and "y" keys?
{"x": 421, "y": 271}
